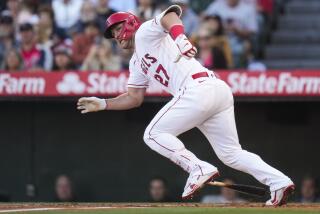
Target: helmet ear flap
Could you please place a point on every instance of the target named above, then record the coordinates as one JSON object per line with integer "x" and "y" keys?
{"x": 131, "y": 24}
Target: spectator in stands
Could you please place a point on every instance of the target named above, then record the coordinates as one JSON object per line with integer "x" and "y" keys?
{"x": 13, "y": 61}
{"x": 46, "y": 34}
{"x": 14, "y": 7}
{"x": 26, "y": 15}
{"x": 67, "y": 14}
{"x": 214, "y": 24}
{"x": 33, "y": 57}
{"x": 265, "y": 13}
{"x": 211, "y": 56}
{"x": 62, "y": 59}
{"x": 87, "y": 14}
{"x": 265, "y": 8}
{"x": 46, "y": 27}
{"x": 147, "y": 10}
{"x": 83, "y": 42}
{"x": 35, "y": 4}
{"x": 226, "y": 196}
{"x": 158, "y": 190}
{"x": 101, "y": 58}
{"x": 189, "y": 17}
{"x": 240, "y": 22}
{"x": 309, "y": 190}
{"x": 7, "y": 39}
{"x": 64, "y": 189}
{"x": 103, "y": 11}
{"x": 123, "y": 5}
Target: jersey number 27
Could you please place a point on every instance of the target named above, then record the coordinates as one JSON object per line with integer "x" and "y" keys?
{"x": 162, "y": 76}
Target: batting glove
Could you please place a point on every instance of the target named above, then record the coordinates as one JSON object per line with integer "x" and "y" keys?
{"x": 186, "y": 48}
{"x": 91, "y": 104}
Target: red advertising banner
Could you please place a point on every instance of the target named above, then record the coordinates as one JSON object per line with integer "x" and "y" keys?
{"x": 273, "y": 83}
{"x": 242, "y": 83}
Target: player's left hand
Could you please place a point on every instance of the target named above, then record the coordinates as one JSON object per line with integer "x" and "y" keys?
{"x": 185, "y": 46}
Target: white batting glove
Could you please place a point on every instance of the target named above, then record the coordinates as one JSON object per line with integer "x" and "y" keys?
{"x": 186, "y": 48}
{"x": 91, "y": 104}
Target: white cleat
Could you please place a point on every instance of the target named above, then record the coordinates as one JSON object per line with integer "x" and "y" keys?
{"x": 280, "y": 196}
{"x": 197, "y": 179}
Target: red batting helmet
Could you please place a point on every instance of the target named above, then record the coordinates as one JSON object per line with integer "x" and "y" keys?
{"x": 131, "y": 24}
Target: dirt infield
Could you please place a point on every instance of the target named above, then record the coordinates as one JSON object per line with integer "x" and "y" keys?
{"x": 58, "y": 206}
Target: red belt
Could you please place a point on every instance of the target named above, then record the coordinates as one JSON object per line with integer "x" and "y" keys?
{"x": 199, "y": 75}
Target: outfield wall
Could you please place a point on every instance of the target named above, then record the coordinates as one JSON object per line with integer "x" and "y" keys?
{"x": 273, "y": 83}
{"x": 106, "y": 157}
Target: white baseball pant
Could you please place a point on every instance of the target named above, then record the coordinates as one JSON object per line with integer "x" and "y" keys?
{"x": 207, "y": 105}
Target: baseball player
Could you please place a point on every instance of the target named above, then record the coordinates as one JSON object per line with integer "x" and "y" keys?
{"x": 165, "y": 56}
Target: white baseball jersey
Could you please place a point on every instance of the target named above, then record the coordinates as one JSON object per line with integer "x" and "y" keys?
{"x": 154, "y": 56}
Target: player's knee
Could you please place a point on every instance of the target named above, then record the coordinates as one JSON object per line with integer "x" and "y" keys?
{"x": 150, "y": 140}
{"x": 150, "y": 133}
{"x": 148, "y": 136}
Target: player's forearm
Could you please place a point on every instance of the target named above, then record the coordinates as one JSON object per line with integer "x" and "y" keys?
{"x": 132, "y": 99}
{"x": 170, "y": 20}
{"x": 173, "y": 24}
{"x": 123, "y": 102}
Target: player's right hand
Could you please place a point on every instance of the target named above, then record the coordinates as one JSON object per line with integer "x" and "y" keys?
{"x": 91, "y": 104}
{"x": 185, "y": 46}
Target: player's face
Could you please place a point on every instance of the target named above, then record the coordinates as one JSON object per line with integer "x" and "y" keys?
{"x": 125, "y": 44}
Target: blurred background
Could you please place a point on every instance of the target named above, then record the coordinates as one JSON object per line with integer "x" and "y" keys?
{"x": 52, "y": 52}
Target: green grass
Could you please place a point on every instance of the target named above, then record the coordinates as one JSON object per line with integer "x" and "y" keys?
{"x": 182, "y": 210}
{"x": 157, "y": 208}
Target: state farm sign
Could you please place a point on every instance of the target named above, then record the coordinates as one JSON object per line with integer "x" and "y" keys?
{"x": 272, "y": 83}
{"x": 21, "y": 85}
{"x": 67, "y": 84}
{"x": 283, "y": 83}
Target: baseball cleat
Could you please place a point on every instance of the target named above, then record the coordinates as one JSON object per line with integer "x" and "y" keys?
{"x": 196, "y": 181}
{"x": 280, "y": 196}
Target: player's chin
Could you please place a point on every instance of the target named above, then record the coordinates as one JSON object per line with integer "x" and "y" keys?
{"x": 125, "y": 44}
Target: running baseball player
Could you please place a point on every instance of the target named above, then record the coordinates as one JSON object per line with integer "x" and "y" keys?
{"x": 165, "y": 56}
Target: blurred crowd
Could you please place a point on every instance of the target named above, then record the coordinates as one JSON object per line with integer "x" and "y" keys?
{"x": 57, "y": 35}
{"x": 159, "y": 191}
